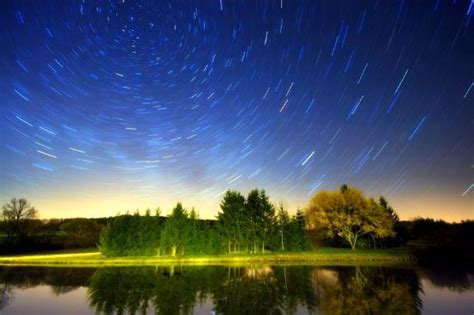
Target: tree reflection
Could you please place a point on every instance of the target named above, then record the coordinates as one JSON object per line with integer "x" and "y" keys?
{"x": 170, "y": 290}
{"x": 367, "y": 290}
{"x": 5, "y": 295}
{"x": 265, "y": 290}
{"x": 176, "y": 290}
{"x": 61, "y": 280}
{"x": 237, "y": 290}
{"x": 232, "y": 290}
{"x": 454, "y": 279}
{"x": 248, "y": 291}
{"x": 262, "y": 290}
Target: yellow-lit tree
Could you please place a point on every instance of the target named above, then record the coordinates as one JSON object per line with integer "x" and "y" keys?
{"x": 349, "y": 214}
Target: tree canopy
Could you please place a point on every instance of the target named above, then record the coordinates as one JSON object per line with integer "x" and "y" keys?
{"x": 349, "y": 214}
{"x": 253, "y": 224}
{"x": 175, "y": 234}
{"x": 232, "y": 219}
{"x": 15, "y": 214}
{"x": 129, "y": 235}
{"x": 243, "y": 225}
{"x": 260, "y": 213}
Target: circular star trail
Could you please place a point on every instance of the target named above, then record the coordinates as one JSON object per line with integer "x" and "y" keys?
{"x": 134, "y": 104}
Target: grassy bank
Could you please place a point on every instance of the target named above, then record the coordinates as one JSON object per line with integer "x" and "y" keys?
{"x": 322, "y": 256}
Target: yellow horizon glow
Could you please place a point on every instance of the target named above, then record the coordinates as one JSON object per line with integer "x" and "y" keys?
{"x": 107, "y": 204}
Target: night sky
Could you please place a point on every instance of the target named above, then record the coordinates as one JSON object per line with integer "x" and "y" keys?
{"x": 127, "y": 104}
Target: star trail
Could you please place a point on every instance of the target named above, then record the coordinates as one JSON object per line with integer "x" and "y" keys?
{"x": 131, "y": 104}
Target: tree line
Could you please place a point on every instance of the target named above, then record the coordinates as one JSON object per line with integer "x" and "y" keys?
{"x": 249, "y": 225}
{"x": 244, "y": 224}
{"x": 21, "y": 230}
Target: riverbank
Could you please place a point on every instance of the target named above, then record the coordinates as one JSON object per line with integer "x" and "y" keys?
{"x": 322, "y": 256}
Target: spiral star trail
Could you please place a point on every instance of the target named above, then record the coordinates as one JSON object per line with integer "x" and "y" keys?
{"x": 131, "y": 104}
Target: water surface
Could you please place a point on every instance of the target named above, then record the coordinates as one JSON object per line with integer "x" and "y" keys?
{"x": 235, "y": 290}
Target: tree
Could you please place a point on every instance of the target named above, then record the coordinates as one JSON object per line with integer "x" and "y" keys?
{"x": 300, "y": 218}
{"x": 400, "y": 237}
{"x": 15, "y": 215}
{"x": 175, "y": 234}
{"x": 282, "y": 220}
{"x": 384, "y": 204}
{"x": 193, "y": 232}
{"x": 157, "y": 211}
{"x": 298, "y": 237}
{"x": 231, "y": 219}
{"x": 260, "y": 213}
{"x": 347, "y": 213}
{"x": 131, "y": 235}
{"x": 80, "y": 232}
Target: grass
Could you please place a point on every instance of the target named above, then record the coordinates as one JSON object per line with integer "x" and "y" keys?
{"x": 321, "y": 256}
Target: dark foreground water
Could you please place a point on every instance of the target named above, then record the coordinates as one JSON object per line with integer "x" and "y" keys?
{"x": 235, "y": 290}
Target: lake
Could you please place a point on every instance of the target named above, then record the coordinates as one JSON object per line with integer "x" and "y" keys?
{"x": 235, "y": 290}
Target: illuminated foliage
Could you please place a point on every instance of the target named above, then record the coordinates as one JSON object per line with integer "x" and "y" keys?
{"x": 232, "y": 220}
{"x": 261, "y": 214}
{"x": 130, "y": 235}
{"x": 249, "y": 225}
{"x": 177, "y": 231}
{"x": 348, "y": 214}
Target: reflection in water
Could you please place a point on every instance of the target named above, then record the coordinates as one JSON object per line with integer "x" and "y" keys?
{"x": 451, "y": 279}
{"x": 236, "y": 290}
{"x": 368, "y": 291}
{"x": 274, "y": 290}
{"x": 5, "y": 294}
{"x": 61, "y": 280}
{"x": 169, "y": 291}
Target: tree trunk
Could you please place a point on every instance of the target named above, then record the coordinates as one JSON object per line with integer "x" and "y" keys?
{"x": 353, "y": 241}
{"x": 263, "y": 247}
{"x": 228, "y": 245}
{"x": 282, "y": 241}
{"x": 173, "y": 250}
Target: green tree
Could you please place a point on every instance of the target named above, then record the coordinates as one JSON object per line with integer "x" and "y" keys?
{"x": 282, "y": 221}
{"x": 298, "y": 239}
{"x": 231, "y": 219}
{"x": 290, "y": 233}
{"x": 384, "y": 204}
{"x": 16, "y": 215}
{"x": 347, "y": 213}
{"x": 260, "y": 215}
{"x": 175, "y": 234}
{"x": 129, "y": 235}
{"x": 300, "y": 218}
{"x": 195, "y": 235}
